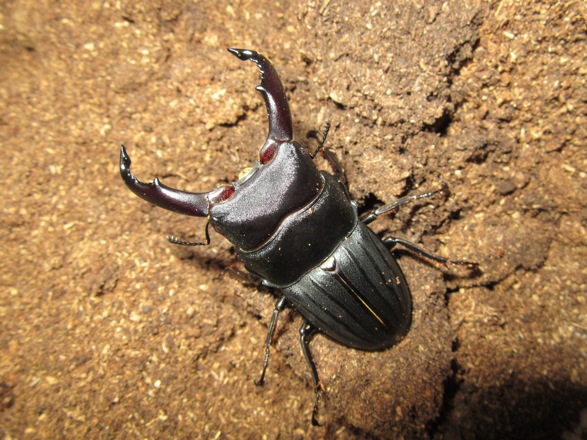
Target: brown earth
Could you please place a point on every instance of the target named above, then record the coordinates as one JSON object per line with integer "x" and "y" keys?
{"x": 108, "y": 331}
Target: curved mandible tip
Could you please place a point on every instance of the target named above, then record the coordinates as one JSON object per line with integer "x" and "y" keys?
{"x": 195, "y": 204}
{"x": 280, "y": 125}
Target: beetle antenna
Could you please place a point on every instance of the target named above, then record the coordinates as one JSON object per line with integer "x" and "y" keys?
{"x": 173, "y": 239}
{"x": 322, "y": 141}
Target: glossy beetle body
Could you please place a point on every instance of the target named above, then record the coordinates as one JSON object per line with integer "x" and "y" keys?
{"x": 358, "y": 296}
{"x": 297, "y": 229}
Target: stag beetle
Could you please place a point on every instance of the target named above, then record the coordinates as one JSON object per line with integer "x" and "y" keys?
{"x": 297, "y": 229}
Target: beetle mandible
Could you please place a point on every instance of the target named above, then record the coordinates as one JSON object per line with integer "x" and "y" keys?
{"x": 298, "y": 229}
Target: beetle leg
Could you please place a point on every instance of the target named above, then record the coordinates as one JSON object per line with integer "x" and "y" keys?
{"x": 329, "y": 156}
{"x": 391, "y": 242}
{"x": 175, "y": 240}
{"x": 370, "y": 216}
{"x": 307, "y": 332}
{"x": 281, "y": 304}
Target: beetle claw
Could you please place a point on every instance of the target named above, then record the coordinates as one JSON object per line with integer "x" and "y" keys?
{"x": 243, "y": 54}
{"x": 315, "y": 421}
{"x": 195, "y": 204}
{"x": 271, "y": 88}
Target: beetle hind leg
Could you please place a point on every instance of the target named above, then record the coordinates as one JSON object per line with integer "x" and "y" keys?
{"x": 279, "y": 307}
{"x": 392, "y": 242}
{"x": 307, "y": 332}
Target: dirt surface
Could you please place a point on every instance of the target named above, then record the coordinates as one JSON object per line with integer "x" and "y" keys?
{"x": 108, "y": 331}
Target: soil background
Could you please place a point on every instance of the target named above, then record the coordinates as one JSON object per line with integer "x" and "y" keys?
{"x": 109, "y": 331}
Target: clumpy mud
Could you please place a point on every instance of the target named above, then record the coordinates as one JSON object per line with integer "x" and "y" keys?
{"x": 108, "y": 331}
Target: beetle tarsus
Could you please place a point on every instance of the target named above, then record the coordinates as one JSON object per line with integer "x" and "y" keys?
{"x": 318, "y": 394}
{"x": 372, "y": 215}
{"x": 174, "y": 240}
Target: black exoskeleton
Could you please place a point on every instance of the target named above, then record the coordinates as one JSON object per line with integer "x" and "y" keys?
{"x": 297, "y": 228}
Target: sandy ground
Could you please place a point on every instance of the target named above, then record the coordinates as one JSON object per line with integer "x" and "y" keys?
{"x": 108, "y": 331}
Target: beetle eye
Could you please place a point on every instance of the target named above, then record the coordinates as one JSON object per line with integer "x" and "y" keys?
{"x": 221, "y": 194}
{"x": 266, "y": 154}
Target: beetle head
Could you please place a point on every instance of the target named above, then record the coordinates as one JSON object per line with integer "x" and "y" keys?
{"x": 249, "y": 211}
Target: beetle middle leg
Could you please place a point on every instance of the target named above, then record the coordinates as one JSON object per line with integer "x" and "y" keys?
{"x": 391, "y": 242}
{"x": 307, "y": 332}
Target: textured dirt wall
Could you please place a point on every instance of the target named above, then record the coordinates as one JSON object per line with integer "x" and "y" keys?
{"x": 107, "y": 330}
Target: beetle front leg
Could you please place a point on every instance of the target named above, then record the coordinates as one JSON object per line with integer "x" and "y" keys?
{"x": 307, "y": 332}
{"x": 278, "y": 113}
{"x": 329, "y": 156}
{"x": 279, "y": 307}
